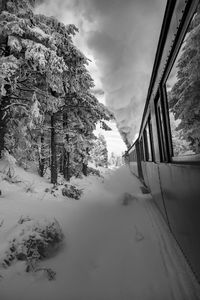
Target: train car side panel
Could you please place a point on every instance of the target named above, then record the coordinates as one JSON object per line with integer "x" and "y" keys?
{"x": 183, "y": 207}
{"x": 152, "y": 170}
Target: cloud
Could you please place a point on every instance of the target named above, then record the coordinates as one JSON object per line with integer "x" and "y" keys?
{"x": 120, "y": 37}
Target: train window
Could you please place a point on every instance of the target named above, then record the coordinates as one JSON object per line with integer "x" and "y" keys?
{"x": 161, "y": 131}
{"x": 183, "y": 93}
{"x": 145, "y": 145}
{"x": 132, "y": 155}
{"x": 151, "y": 138}
{"x": 141, "y": 149}
{"x": 148, "y": 142}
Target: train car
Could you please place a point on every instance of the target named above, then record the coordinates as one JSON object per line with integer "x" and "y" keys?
{"x": 130, "y": 158}
{"x": 167, "y": 150}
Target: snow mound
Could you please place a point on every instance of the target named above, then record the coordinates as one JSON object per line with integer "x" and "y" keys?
{"x": 31, "y": 241}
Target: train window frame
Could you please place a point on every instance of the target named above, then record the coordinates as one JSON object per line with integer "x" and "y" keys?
{"x": 145, "y": 145}
{"x": 161, "y": 128}
{"x": 151, "y": 138}
{"x": 148, "y": 141}
{"x": 141, "y": 149}
{"x": 190, "y": 158}
{"x": 144, "y": 149}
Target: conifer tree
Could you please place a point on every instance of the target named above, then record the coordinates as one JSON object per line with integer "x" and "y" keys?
{"x": 45, "y": 91}
{"x": 29, "y": 64}
{"x": 99, "y": 153}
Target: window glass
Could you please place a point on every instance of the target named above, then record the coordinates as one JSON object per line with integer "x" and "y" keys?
{"x": 148, "y": 143}
{"x": 161, "y": 131}
{"x": 141, "y": 149}
{"x": 183, "y": 93}
{"x": 146, "y": 153}
{"x": 132, "y": 155}
{"x": 151, "y": 138}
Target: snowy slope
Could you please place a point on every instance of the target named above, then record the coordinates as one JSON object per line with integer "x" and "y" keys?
{"x": 111, "y": 251}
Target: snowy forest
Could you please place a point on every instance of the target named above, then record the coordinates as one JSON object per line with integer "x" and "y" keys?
{"x": 48, "y": 111}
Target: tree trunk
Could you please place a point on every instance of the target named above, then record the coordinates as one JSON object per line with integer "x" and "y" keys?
{"x": 3, "y": 5}
{"x": 84, "y": 169}
{"x": 5, "y": 100}
{"x": 85, "y": 165}
{"x": 2, "y": 130}
{"x": 61, "y": 160}
{"x": 67, "y": 166}
{"x": 42, "y": 158}
{"x": 54, "y": 174}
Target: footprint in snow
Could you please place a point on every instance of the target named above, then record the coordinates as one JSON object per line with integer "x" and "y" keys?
{"x": 138, "y": 235}
{"x": 127, "y": 199}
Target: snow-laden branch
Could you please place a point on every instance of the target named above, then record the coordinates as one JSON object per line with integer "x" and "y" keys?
{"x": 16, "y": 104}
{"x": 33, "y": 89}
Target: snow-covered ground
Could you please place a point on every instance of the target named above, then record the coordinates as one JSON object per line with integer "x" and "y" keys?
{"x": 116, "y": 247}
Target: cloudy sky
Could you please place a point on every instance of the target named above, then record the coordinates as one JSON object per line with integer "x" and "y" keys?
{"x": 120, "y": 37}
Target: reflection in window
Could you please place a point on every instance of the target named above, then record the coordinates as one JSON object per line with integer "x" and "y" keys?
{"x": 141, "y": 149}
{"x": 151, "y": 139}
{"x": 183, "y": 93}
{"x": 148, "y": 143}
{"x": 145, "y": 146}
{"x": 161, "y": 131}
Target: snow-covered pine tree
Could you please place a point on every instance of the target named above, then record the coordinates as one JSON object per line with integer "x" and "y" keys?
{"x": 99, "y": 152}
{"x": 77, "y": 87}
{"x": 29, "y": 64}
{"x": 81, "y": 110}
{"x": 82, "y": 121}
{"x": 40, "y": 64}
